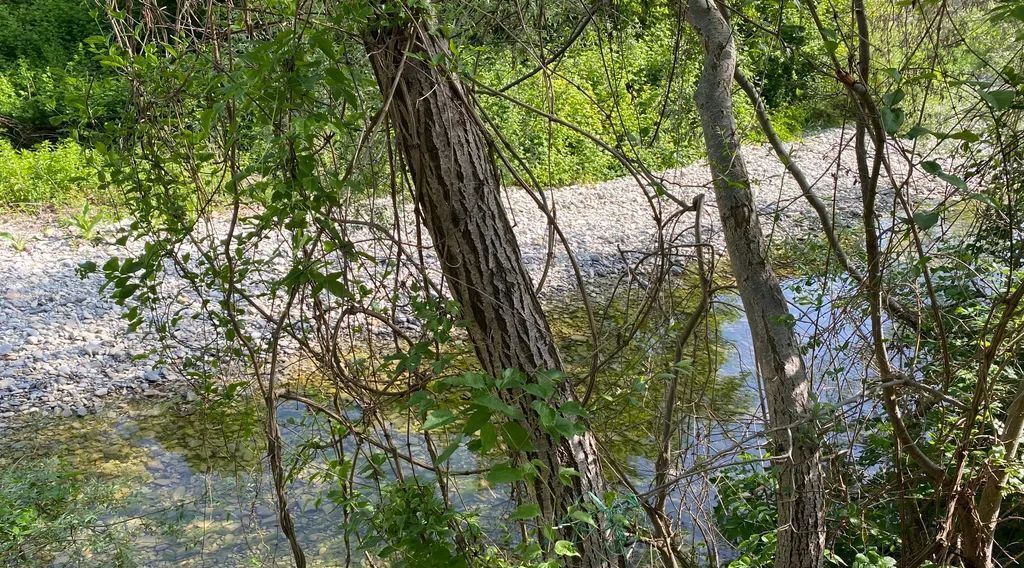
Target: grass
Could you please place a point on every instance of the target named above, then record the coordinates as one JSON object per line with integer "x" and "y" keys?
{"x": 46, "y": 175}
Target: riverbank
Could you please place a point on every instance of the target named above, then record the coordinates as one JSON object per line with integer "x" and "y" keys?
{"x": 65, "y": 349}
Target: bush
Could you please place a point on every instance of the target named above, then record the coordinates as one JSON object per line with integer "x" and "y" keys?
{"x": 49, "y": 513}
{"x": 49, "y": 81}
{"x": 626, "y": 108}
{"x": 634, "y": 95}
{"x": 48, "y": 174}
{"x": 44, "y": 32}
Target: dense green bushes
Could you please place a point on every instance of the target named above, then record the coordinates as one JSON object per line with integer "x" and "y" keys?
{"x": 49, "y": 515}
{"x": 629, "y": 91}
{"x": 50, "y": 86}
{"x": 48, "y": 81}
{"x": 621, "y": 85}
{"x": 47, "y": 174}
{"x": 626, "y": 108}
{"x": 44, "y": 31}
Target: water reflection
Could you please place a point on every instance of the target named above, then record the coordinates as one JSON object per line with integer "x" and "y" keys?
{"x": 198, "y": 493}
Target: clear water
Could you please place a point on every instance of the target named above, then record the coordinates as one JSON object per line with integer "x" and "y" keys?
{"x": 194, "y": 490}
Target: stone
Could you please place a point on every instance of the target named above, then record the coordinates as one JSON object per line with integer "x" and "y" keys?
{"x": 60, "y": 336}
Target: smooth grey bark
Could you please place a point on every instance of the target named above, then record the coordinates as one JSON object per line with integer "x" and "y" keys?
{"x": 456, "y": 185}
{"x": 801, "y": 528}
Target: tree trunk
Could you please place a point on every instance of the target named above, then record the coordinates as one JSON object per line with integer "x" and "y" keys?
{"x": 801, "y": 528}
{"x": 456, "y": 184}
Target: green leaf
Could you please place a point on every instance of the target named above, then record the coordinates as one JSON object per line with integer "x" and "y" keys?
{"x": 830, "y": 39}
{"x": 332, "y": 283}
{"x": 567, "y": 428}
{"x": 447, "y": 453}
{"x": 437, "y": 419}
{"x": 540, "y": 390}
{"x": 470, "y": 380}
{"x": 516, "y": 437}
{"x": 476, "y": 421}
{"x": 510, "y": 378}
{"x": 982, "y": 198}
{"x": 935, "y": 169}
{"x": 566, "y": 474}
{"x": 916, "y": 132}
{"x": 488, "y": 437}
{"x": 421, "y": 399}
{"x": 583, "y": 516}
{"x": 524, "y": 512}
{"x": 926, "y": 219}
{"x": 86, "y": 268}
{"x": 893, "y": 98}
{"x": 504, "y": 473}
{"x": 892, "y": 119}
{"x": 565, "y": 548}
{"x": 999, "y": 98}
{"x": 496, "y": 404}
{"x": 965, "y": 135}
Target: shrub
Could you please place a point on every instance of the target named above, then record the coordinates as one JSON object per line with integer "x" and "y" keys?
{"x": 47, "y": 174}
{"x": 49, "y": 513}
{"x": 50, "y": 83}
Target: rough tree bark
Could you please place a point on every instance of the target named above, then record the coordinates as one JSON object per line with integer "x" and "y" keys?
{"x": 456, "y": 184}
{"x": 801, "y": 529}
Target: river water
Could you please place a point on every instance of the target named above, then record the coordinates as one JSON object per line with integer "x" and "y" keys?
{"x": 188, "y": 484}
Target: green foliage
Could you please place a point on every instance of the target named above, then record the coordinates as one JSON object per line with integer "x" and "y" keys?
{"x": 490, "y": 414}
{"x": 50, "y": 86}
{"x": 85, "y": 221}
{"x": 626, "y": 109}
{"x": 298, "y": 158}
{"x": 44, "y": 31}
{"x": 18, "y": 243}
{"x": 414, "y": 528}
{"x": 629, "y": 91}
{"x": 49, "y": 513}
{"x": 783, "y": 65}
{"x": 49, "y": 81}
{"x": 746, "y": 513}
{"x": 51, "y": 173}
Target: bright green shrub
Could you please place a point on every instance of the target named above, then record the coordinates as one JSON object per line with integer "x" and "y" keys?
{"x": 630, "y": 91}
{"x": 50, "y": 173}
{"x": 44, "y": 32}
{"x": 615, "y": 91}
{"x": 49, "y": 515}
{"x": 49, "y": 81}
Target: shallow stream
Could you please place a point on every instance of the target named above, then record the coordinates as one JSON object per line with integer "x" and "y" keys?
{"x": 189, "y": 486}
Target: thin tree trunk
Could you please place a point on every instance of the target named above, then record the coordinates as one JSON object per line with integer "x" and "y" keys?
{"x": 978, "y": 522}
{"x": 801, "y": 529}
{"x": 457, "y": 187}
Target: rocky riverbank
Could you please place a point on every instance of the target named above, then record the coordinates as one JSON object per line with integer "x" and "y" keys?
{"x": 65, "y": 350}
